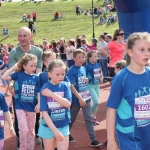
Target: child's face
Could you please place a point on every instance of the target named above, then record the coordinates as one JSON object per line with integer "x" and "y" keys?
{"x": 79, "y": 59}
{"x": 117, "y": 70}
{"x": 30, "y": 67}
{"x": 46, "y": 62}
{"x": 94, "y": 58}
{"x": 57, "y": 75}
{"x": 140, "y": 53}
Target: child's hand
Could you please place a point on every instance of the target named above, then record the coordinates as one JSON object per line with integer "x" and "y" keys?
{"x": 102, "y": 79}
{"x": 12, "y": 131}
{"x": 112, "y": 145}
{"x": 82, "y": 102}
{"x": 45, "y": 91}
{"x": 58, "y": 135}
{"x": 86, "y": 80}
{"x": 37, "y": 108}
{"x": 17, "y": 66}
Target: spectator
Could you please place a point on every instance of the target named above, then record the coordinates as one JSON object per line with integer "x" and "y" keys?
{"x": 24, "y": 18}
{"x": 30, "y": 24}
{"x": 93, "y": 46}
{"x": 62, "y": 49}
{"x": 111, "y": 19}
{"x": 28, "y": 17}
{"x": 34, "y": 16}
{"x": 33, "y": 30}
{"x": 77, "y": 10}
{"x": 103, "y": 58}
{"x": 116, "y": 50}
{"x": 56, "y": 15}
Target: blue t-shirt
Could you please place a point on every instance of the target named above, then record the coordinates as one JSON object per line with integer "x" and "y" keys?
{"x": 44, "y": 78}
{"x": 26, "y": 87}
{"x": 77, "y": 77}
{"x": 3, "y": 108}
{"x": 93, "y": 73}
{"x": 130, "y": 96}
{"x": 4, "y": 66}
{"x": 59, "y": 114}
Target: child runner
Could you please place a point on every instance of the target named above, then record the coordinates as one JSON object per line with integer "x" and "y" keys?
{"x": 95, "y": 76}
{"x": 81, "y": 96}
{"x": 128, "y": 112}
{"x": 26, "y": 88}
{"x": 120, "y": 65}
{"x": 55, "y": 102}
{"x": 4, "y": 114}
{"x": 3, "y": 69}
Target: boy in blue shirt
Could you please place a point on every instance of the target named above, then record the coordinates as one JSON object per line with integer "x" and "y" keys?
{"x": 81, "y": 96}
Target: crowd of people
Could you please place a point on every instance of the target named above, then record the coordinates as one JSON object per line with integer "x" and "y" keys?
{"x": 61, "y": 90}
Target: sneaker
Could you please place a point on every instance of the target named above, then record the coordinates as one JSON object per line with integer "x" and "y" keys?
{"x": 5, "y": 94}
{"x": 18, "y": 148}
{"x": 38, "y": 141}
{"x": 71, "y": 139}
{"x": 93, "y": 119}
{"x": 96, "y": 123}
{"x": 96, "y": 143}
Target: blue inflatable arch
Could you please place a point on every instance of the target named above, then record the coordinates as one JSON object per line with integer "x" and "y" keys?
{"x": 133, "y": 15}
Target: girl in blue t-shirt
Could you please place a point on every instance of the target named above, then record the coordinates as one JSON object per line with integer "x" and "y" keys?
{"x": 128, "y": 113}
{"x": 26, "y": 89}
{"x": 95, "y": 76}
{"x": 55, "y": 101}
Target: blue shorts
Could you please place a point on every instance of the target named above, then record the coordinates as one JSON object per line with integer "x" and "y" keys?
{"x": 46, "y": 133}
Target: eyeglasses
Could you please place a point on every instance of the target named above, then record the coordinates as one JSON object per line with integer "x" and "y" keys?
{"x": 121, "y": 34}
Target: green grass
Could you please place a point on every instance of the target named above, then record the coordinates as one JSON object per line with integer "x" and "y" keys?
{"x": 70, "y": 26}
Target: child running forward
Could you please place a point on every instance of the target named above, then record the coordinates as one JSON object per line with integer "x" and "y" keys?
{"x": 81, "y": 97}
{"x": 26, "y": 92}
{"x": 55, "y": 101}
{"x": 128, "y": 113}
{"x": 95, "y": 76}
{"x": 4, "y": 114}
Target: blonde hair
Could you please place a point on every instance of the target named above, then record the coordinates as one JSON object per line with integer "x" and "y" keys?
{"x": 120, "y": 64}
{"x": 78, "y": 51}
{"x": 54, "y": 64}
{"x": 47, "y": 54}
{"x": 25, "y": 58}
{"x": 132, "y": 39}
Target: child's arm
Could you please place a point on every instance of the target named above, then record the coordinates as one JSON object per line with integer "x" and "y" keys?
{"x": 63, "y": 101}
{"x": 6, "y": 75}
{"x": 37, "y": 107}
{"x": 81, "y": 100}
{"x": 110, "y": 126}
{"x": 8, "y": 119}
{"x": 4, "y": 70}
{"x": 57, "y": 133}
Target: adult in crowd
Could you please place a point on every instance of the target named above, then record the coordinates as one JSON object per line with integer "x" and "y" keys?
{"x": 62, "y": 49}
{"x": 30, "y": 24}
{"x": 116, "y": 50}
{"x": 24, "y": 37}
{"x": 103, "y": 58}
{"x": 34, "y": 16}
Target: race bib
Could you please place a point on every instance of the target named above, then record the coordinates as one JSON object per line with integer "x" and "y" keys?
{"x": 97, "y": 75}
{"x": 85, "y": 95}
{"x": 142, "y": 108}
{"x": 52, "y": 104}
{"x": 1, "y": 118}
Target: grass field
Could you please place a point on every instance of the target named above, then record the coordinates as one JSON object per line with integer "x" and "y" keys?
{"x": 70, "y": 26}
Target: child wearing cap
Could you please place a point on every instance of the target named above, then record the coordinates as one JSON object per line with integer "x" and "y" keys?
{"x": 93, "y": 46}
{"x": 3, "y": 69}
